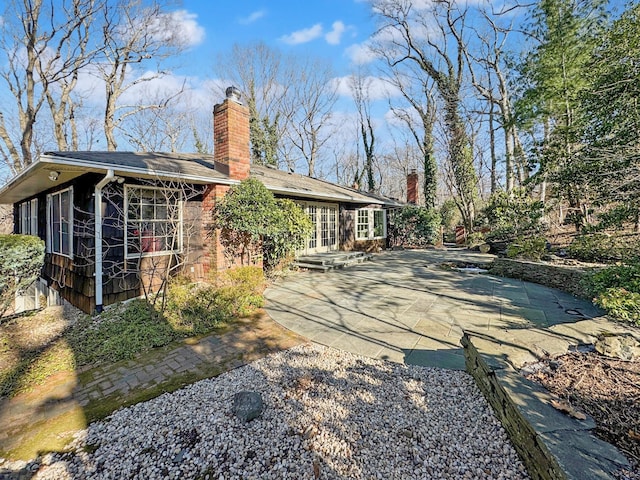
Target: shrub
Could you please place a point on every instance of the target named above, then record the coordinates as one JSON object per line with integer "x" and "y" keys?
{"x": 21, "y": 260}
{"x": 191, "y": 309}
{"x": 119, "y": 333}
{"x": 620, "y": 304}
{"x": 240, "y": 290}
{"x": 291, "y": 226}
{"x": 475, "y": 238}
{"x": 618, "y": 276}
{"x": 194, "y": 309}
{"x": 253, "y": 223}
{"x": 511, "y": 215}
{"x": 414, "y": 226}
{"x": 531, "y": 248}
{"x": 617, "y": 290}
{"x": 449, "y": 214}
{"x": 605, "y": 248}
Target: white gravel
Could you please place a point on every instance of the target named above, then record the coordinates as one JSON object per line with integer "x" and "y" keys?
{"x": 328, "y": 414}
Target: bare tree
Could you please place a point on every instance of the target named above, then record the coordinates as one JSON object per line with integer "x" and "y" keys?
{"x": 169, "y": 127}
{"x": 45, "y": 43}
{"x": 430, "y": 37}
{"x": 360, "y": 85}
{"x": 494, "y": 88}
{"x": 264, "y": 76}
{"x": 310, "y": 103}
{"x": 133, "y": 33}
{"x": 418, "y": 92}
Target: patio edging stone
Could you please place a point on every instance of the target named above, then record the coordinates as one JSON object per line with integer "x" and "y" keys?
{"x": 552, "y": 445}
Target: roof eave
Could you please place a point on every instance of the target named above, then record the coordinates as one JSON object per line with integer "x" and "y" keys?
{"x": 322, "y": 196}
{"x": 124, "y": 170}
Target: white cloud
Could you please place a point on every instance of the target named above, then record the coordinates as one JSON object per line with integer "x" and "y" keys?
{"x": 303, "y": 36}
{"x": 252, "y": 17}
{"x": 335, "y": 35}
{"x": 360, "y": 53}
{"x": 178, "y": 28}
{"x": 377, "y": 87}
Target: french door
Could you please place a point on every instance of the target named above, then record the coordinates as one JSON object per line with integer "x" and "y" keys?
{"x": 324, "y": 237}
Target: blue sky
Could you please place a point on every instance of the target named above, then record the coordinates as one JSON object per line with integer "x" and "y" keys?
{"x": 331, "y": 29}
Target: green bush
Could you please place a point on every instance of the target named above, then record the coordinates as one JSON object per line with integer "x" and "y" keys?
{"x": 194, "y": 309}
{"x": 412, "y": 226}
{"x": 617, "y": 290}
{"x": 289, "y": 230}
{"x": 531, "y": 248}
{"x": 254, "y": 224}
{"x": 618, "y": 276}
{"x": 21, "y": 261}
{"x": 449, "y": 214}
{"x": 605, "y": 248}
{"x": 475, "y": 238}
{"x": 620, "y": 304}
{"x": 511, "y": 215}
{"x": 119, "y": 333}
{"x": 240, "y": 289}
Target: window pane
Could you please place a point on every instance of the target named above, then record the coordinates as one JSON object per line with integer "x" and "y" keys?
{"x": 147, "y": 212}
{"x": 362, "y": 228}
{"x": 33, "y": 214}
{"x": 66, "y": 238}
{"x": 153, "y": 223}
{"x": 65, "y": 201}
{"x": 378, "y": 223}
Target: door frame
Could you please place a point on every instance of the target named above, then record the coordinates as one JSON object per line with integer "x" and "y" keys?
{"x": 318, "y": 248}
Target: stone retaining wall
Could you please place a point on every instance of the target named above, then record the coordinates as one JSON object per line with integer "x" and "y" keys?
{"x": 552, "y": 445}
{"x": 563, "y": 277}
{"x": 536, "y": 457}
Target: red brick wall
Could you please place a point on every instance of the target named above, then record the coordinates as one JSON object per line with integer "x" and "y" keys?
{"x": 412, "y": 187}
{"x": 213, "y": 254}
{"x": 231, "y": 153}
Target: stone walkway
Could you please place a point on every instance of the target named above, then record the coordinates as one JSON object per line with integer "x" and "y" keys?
{"x": 43, "y": 418}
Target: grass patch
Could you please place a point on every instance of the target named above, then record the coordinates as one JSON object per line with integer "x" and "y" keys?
{"x": 32, "y": 348}
{"x": 119, "y": 334}
{"x": 32, "y": 367}
{"x": 51, "y": 435}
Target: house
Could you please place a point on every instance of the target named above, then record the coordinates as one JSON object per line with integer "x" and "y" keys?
{"x": 107, "y": 216}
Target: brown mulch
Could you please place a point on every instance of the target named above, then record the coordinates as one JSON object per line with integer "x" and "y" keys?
{"x": 605, "y": 388}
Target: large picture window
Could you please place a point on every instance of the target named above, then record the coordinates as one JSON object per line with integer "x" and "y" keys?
{"x": 28, "y": 215}
{"x": 154, "y": 221}
{"x": 60, "y": 222}
{"x": 371, "y": 224}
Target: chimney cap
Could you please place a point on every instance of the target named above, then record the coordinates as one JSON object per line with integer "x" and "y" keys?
{"x": 413, "y": 171}
{"x": 233, "y": 93}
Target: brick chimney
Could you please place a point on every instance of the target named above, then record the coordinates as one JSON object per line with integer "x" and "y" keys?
{"x": 231, "y": 151}
{"x": 412, "y": 187}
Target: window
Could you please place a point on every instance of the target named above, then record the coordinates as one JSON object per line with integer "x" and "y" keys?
{"x": 371, "y": 224}
{"x": 154, "y": 221}
{"x": 60, "y": 222}
{"x": 28, "y": 217}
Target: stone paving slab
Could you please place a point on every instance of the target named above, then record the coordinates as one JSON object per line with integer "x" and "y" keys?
{"x": 410, "y": 290}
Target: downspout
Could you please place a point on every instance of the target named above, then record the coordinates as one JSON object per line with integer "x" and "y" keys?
{"x": 97, "y": 198}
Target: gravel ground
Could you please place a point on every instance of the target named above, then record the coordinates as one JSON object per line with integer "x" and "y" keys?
{"x": 327, "y": 414}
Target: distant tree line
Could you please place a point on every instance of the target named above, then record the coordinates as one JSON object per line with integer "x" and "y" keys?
{"x": 479, "y": 98}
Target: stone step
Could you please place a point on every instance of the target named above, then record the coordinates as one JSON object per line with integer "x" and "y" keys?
{"x": 329, "y": 261}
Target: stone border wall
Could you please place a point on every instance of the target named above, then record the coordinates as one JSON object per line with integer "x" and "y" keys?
{"x": 552, "y": 445}
{"x": 539, "y": 462}
{"x": 563, "y": 277}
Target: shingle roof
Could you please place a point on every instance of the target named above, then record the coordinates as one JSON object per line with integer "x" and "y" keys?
{"x": 190, "y": 164}
{"x": 198, "y": 168}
